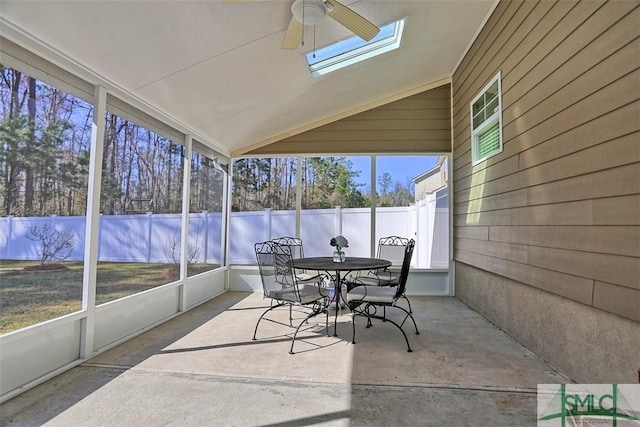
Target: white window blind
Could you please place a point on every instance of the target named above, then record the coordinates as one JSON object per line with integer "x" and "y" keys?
{"x": 489, "y": 141}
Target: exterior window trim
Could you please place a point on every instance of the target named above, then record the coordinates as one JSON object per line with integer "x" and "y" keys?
{"x": 488, "y": 123}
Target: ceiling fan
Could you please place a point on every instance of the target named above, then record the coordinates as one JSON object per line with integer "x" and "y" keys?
{"x": 312, "y": 12}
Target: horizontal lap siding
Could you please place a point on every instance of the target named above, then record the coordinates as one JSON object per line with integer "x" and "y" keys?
{"x": 417, "y": 124}
{"x": 559, "y": 208}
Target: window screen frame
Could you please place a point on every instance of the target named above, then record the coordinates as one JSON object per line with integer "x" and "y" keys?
{"x": 488, "y": 122}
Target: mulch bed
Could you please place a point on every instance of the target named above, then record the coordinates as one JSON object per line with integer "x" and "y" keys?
{"x": 44, "y": 267}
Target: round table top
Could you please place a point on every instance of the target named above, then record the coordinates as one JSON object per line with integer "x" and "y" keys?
{"x": 350, "y": 263}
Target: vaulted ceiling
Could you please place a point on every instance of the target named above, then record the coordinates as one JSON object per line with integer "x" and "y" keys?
{"x": 217, "y": 68}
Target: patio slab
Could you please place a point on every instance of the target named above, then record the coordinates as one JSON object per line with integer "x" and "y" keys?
{"x": 203, "y": 368}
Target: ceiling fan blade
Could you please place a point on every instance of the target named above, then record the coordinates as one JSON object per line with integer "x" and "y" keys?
{"x": 293, "y": 36}
{"x": 352, "y": 20}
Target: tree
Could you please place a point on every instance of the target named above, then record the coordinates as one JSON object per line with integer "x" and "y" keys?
{"x": 402, "y": 195}
{"x": 270, "y": 183}
{"x": 44, "y": 157}
{"x": 29, "y": 146}
{"x": 207, "y": 182}
{"x": 264, "y": 183}
{"x": 43, "y": 140}
{"x": 54, "y": 244}
{"x": 330, "y": 182}
{"x": 384, "y": 183}
{"x": 14, "y": 131}
{"x": 346, "y": 190}
{"x": 172, "y": 251}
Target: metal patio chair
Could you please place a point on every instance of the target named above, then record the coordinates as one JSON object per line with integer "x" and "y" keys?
{"x": 364, "y": 300}
{"x": 280, "y": 284}
{"x": 391, "y": 248}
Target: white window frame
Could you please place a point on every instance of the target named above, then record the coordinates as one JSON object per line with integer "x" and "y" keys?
{"x": 344, "y": 58}
{"x": 488, "y": 122}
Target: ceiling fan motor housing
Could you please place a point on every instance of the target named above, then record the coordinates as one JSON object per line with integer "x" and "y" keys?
{"x": 309, "y": 12}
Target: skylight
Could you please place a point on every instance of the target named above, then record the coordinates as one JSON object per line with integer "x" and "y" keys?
{"x": 353, "y": 50}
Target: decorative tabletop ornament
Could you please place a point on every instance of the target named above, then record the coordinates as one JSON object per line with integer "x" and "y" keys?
{"x": 339, "y": 242}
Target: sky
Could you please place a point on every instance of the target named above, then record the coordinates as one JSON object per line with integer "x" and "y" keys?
{"x": 401, "y": 168}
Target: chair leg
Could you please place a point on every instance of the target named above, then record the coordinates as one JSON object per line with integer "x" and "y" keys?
{"x": 309, "y": 316}
{"x": 367, "y": 311}
{"x": 353, "y": 325}
{"x": 399, "y": 326}
{"x": 384, "y": 318}
{"x": 403, "y": 334}
{"x": 408, "y": 302}
{"x": 408, "y": 316}
{"x": 263, "y": 314}
{"x": 326, "y": 319}
{"x": 352, "y": 308}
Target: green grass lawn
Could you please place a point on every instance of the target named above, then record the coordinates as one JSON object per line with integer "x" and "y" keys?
{"x": 27, "y": 298}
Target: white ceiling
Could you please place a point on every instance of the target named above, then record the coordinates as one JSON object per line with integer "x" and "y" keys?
{"x": 217, "y": 67}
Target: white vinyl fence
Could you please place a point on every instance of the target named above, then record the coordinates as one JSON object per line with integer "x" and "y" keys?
{"x": 156, "y": 237}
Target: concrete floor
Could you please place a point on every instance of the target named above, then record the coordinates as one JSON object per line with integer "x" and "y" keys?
{"x": 203, "y": 369}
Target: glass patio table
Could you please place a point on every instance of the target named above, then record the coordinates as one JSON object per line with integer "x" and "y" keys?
{"x": 347, "y": 266}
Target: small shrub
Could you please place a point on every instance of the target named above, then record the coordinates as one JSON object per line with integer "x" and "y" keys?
{"x": 54, "y": 244}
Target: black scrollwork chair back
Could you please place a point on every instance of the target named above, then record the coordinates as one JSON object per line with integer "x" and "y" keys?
{"x": 297, "y": 251}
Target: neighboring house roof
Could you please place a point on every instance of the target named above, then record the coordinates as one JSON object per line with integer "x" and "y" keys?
{"x": 431, "y": 180}
{"x": 437, "y": 168}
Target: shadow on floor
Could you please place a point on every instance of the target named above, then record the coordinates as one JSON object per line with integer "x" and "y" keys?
{"x": 203, "y": 368}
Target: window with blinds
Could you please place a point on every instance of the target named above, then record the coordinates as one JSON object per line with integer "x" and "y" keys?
{"x": 486, "y": 122}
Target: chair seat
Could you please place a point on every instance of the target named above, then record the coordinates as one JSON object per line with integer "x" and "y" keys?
{"x": 308, "y": 294}
{"x": 375, "y": 294}
{"x": 379, "y": 279}
{"x": 395, "y": 270}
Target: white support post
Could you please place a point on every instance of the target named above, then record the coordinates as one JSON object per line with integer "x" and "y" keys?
{"x": 92, "y": 224}
{"x": 374, "y": 202}
{"x": 452, "y": 262}
{"x": 184, "y": 227}
{"x": 298, "y": 195}
{"x": 225, "y": 213}
{"x": 415, "y": 219}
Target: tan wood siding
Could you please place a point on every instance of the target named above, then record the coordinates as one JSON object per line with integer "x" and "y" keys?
{"x": 420, "y": 123}
{"x": 559, "y": 208}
